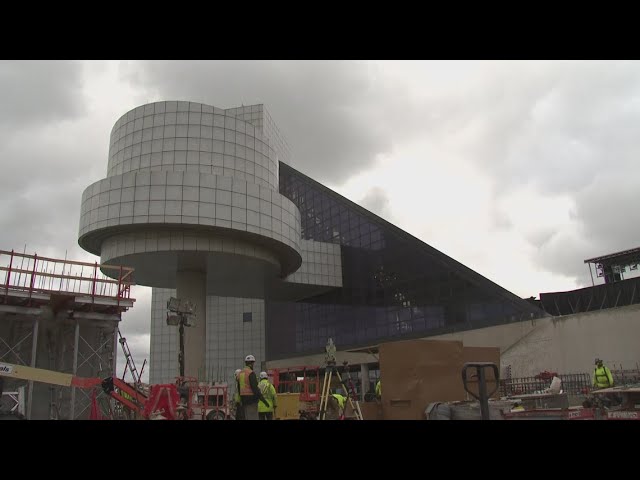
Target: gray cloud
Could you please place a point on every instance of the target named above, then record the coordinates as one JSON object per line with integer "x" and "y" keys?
{"x": 564, "y": 253}
{"x": 335, "y": 117}
{"x": 41, "y": 187}
{"x": 541, "y": 237}
{"x": 564, "y": 128}
{"x": 608, "y": 210}
{"x": 376, "y": 200}
{"x": 552, "y": 124}
{"x": 37, "y": 92}
{"x": 44, "y": 168}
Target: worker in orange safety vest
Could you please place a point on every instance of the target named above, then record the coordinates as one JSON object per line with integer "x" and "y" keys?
{"x": 249, "y": 391}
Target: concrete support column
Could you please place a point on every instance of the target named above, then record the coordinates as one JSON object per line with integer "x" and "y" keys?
{"x": 192, "y": 286}
{"x": 34, "y": 353}
{"x": 76, "y": 343}
{"x": 116, "y": 343}
{"x": 364, "y": 377}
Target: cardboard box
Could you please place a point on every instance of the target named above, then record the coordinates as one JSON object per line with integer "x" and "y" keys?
{"x": 415, "y": 373}
{"x": 371, "y": 410}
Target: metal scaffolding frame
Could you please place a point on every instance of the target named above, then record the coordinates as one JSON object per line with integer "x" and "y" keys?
{"x": 12, "y": 402}
{"x": 61, "y": 315}
{"x": 612, "y": 266}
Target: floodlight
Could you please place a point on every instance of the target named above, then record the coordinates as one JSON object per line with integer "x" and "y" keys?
{"x": 173, "y": 304}
{"x": 189, "y": 319}
{"x": 186, "y": 307}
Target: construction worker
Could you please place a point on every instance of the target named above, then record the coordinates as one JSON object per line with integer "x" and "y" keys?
{"x": 517, "y": 407}
{"x": 269, "y": 393}
{"x": 236, "y": 397}
{"x": 250, "y": 393}
{"x": 602, "y": 377}
{"x": 342, "y": 400}
{"x": 379, "y": 389}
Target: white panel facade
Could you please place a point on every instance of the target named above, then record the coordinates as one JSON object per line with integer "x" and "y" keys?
{"x": 188, "y": 182}
{"x": 165, "y": 198}
{"x": 235, "y": 328}
{"x": 192, "y": 137}
{"x": 321, "y": 264}
{"x": 163, "y": 356}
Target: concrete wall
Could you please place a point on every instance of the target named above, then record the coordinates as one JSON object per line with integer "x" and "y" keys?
{"x": 501, "y": 336}
{"x": 570, "y": 343}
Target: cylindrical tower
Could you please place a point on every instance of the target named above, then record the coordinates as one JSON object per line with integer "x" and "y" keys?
{"x": 191, "y": 202}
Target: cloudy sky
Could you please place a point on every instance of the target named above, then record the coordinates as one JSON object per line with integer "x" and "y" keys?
{"x": 520, "y": 170}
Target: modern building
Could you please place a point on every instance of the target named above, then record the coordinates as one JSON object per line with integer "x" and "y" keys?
{"x": 206, "y": 204}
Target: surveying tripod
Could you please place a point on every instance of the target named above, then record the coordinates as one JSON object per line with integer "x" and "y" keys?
{"x": 330, "y": 369}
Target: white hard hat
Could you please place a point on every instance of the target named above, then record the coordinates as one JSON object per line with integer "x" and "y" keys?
{"x": 237, "y": 372}
{"x": 249, "y": 358}
{"x": 264, "y": 375}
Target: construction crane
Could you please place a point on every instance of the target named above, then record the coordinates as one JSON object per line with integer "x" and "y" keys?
{"x": 131, "y": 365}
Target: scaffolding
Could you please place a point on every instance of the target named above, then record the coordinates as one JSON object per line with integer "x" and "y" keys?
{"x": 61, "y": 315}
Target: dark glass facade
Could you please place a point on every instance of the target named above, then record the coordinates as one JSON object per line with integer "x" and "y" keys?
{"x": 394, "y": 285}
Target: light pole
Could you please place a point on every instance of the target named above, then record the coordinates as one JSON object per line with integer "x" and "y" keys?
{"x": 181, "y": 313}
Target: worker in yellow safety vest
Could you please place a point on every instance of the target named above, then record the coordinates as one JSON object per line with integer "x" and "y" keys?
{"x": 266, "y": 412}
{"x": 250, "y": 393}
{"x": 379, "y": 389}
{"x": 341, "y": 400}
{"x": 517, "y": 407}
{"x": 602, "y": 377}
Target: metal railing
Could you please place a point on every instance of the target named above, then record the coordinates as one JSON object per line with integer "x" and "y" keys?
{"x": 572, "y": 384}
{"x": 31, "y": 274}
{"x": 625, "y": 376}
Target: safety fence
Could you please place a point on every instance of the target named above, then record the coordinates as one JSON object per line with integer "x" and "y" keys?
{"x": 572, "y": 383}
{"x": 31, "y": 274}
